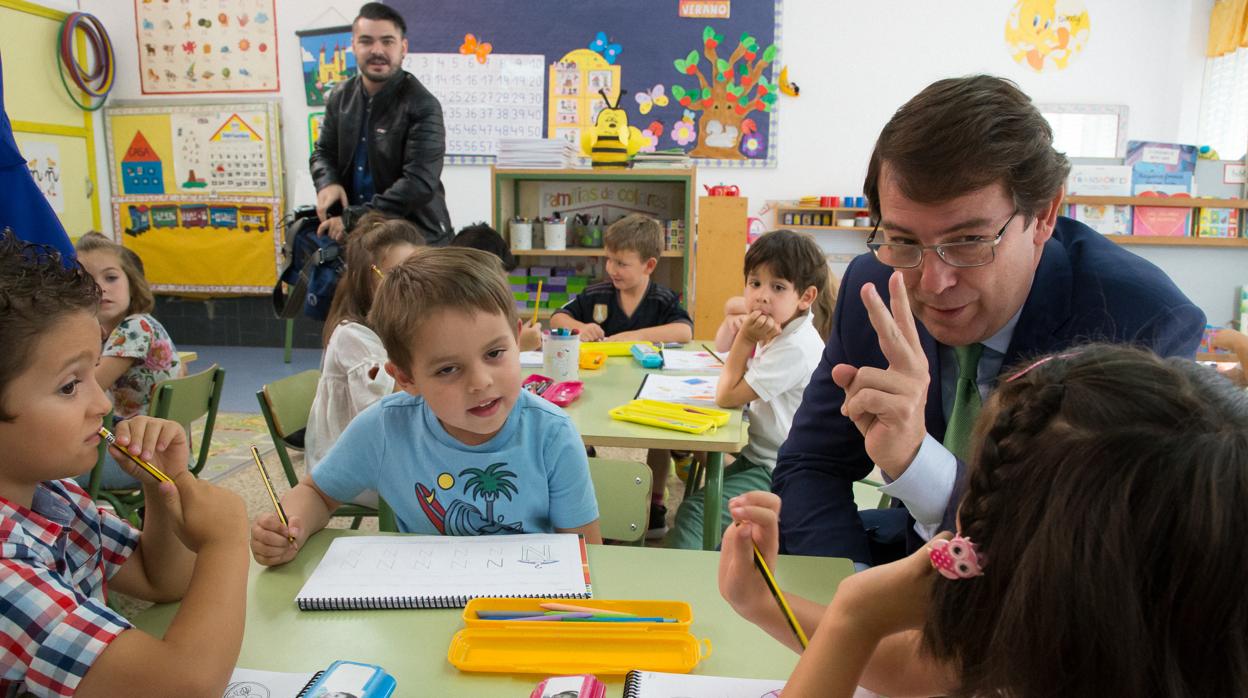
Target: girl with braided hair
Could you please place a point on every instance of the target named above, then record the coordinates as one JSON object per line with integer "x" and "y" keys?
{"x": 1100, "y": 549}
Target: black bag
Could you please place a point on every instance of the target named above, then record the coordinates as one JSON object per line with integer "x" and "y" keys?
{"x": 311, "y": 265}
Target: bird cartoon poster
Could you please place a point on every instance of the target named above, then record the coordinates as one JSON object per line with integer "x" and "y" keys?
{"x": 196, "y": 46}
{"x": 1045, "y": 35}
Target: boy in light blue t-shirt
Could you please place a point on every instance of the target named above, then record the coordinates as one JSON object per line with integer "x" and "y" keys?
{"x": 462, "y": 450}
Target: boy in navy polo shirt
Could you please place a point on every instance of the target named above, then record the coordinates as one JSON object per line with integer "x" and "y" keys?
{"x": 632, "y": 307}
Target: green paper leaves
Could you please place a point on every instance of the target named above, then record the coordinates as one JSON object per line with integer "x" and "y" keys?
{"x": 708, "y": 33}
{"x": 770, "y": 54}
{"x": 678, "y": 92}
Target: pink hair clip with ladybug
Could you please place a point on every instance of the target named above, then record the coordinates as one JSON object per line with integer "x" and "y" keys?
{"x": 956, "y": 558}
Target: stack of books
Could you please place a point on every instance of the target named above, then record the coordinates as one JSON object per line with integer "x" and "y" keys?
{"x": 536, "y": 153}
{"x": 674, "y": 158}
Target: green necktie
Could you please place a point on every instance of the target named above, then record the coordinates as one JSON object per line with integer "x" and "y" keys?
{"x": 966, "y": 401}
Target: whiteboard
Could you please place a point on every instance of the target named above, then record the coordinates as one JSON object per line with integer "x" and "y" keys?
{"x": 483, "y": 102}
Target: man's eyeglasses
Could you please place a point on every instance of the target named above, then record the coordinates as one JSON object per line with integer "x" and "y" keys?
{"x": 907, "y": 255}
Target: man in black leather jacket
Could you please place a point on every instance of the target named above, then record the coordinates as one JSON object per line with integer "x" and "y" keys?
{"x": 382, "y": 139}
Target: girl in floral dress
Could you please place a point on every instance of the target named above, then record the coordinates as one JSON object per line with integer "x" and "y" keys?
{"x": 138, "y": 352}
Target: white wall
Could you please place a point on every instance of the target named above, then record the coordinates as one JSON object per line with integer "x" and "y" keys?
{"x": 856, "y": 62}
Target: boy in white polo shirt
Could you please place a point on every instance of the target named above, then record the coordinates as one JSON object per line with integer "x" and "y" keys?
{"x": 768, "y": 366}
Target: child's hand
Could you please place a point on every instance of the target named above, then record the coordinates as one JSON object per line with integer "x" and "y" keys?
{"x": 157, "y": 441}
{"x": 592, "y": 332}
{"x": 270, "y": 540}
{"x": 531, "y": 336}
{"x": 758, "y": 327}
{"x": 204, "y": 513}
{"x": 890, "y": 598}
{"x": 756, "y": 517}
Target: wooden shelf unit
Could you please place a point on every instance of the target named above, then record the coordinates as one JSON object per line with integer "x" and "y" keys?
{"x": 1164, "y": 201}
{"x": 1175, "y": 241}
{"x": 792, "y": 216}
{"x": 516, "y": 192}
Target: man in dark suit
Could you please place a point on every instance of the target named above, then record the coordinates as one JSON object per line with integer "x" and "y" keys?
{"x": 383, "y": 140}
{"x": 971, "y": 271}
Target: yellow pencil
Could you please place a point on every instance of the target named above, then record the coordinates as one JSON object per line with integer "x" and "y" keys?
{"x": 268, "y": 485}
{"x": 151, "y": 469}
{"x": 796, "y": 627}
{"x": 379, "y": 272}
{"x": 537, "y": 303}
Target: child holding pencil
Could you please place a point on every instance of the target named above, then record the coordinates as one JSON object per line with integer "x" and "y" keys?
{"x": 461, "y": 449}
{"x": 632, "y": 307}
{"x": 1100, "y": 549}
{"x": 59, "y": 551}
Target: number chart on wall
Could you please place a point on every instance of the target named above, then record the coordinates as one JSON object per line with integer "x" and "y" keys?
{"x": 197, "y": 193}
{"x": 699, "y": 76}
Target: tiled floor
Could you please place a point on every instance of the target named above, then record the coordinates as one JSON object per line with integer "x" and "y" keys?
{"x": 248, "y": 368}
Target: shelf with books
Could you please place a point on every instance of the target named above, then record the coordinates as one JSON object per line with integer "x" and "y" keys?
{"x": 1177, "y": 241}
{"x": 1163, "y": 201}
{"x": 581, "y": 252}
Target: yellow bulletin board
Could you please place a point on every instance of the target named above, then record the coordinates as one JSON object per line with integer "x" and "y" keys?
{"x": 197, "y": 193}
{"x": 56, "y": 137}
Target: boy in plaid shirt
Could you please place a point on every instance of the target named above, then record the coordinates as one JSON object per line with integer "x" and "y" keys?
{"x": 59, "y": 552}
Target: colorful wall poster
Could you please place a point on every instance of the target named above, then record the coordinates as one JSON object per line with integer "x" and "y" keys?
{"x": 195, "y": 46}
{"x": 197, "y": 193}
{"x": 315, "y": 119}
{"x": 704, "y": 85}
{"x": 1045, "y": 35}
{"x": 43, "y": 159}
{"x": 327, "y": 61}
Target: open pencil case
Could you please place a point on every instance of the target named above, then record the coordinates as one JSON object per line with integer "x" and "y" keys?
{"x": 612, "y": 649}
{"x": 670, "y": 415}
{"x": 562, "y": 394}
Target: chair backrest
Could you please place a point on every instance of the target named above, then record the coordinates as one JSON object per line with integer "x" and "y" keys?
{"x": 286, "y": 404}
{"x": 623, "y": 492}
{"x": 867, "y": 495}
{"x": 185, "y": 400}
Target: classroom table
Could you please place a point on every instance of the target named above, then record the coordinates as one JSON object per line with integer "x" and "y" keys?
{"x": 412, "y": 644}
{"x": 617, "y": 383}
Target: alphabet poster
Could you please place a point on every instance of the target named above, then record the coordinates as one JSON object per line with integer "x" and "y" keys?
{"x": 195, "y": 46}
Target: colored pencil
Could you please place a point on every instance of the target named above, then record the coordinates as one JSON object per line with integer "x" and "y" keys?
{"x": 268, "y": 485}
{"x": 151, "y": 469}
{"x": 565, "y": 616}
{"x": 796, "y": 627}
{"x": 537, "y": 304}
{"x": 552, "y": 606}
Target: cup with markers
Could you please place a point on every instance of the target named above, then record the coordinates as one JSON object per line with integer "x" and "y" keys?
{"x": 562, "y": 636}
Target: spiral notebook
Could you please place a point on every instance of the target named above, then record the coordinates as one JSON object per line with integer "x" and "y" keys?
{"x": 376, "y": 572}
{"x": 275, "y": 684}
{"x": 654, "y": 684}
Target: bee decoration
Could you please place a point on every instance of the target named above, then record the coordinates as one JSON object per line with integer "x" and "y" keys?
{"x": 611, "y": 142}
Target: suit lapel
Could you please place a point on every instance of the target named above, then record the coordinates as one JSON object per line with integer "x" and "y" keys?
{"x": 933, "y": 412}
{"x": 1047, "y": 309}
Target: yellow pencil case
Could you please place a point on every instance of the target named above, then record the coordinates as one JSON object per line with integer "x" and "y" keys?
{"x": 667, "y": 415}
{"x": 613, "y": 348}
{"x": 612, "y": 649}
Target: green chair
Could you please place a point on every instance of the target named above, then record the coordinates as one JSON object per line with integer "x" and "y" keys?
{"x": 622, "y": 489}
{"x": 286, "y": 404}
{"x": 183, "y": 400}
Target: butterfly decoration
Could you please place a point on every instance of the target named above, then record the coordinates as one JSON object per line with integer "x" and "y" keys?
{"x": 648, "y": 99}
{"x": 481, "y": 49}
{"x": 602, "y": 45}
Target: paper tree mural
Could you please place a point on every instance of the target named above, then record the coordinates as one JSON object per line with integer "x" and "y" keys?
{"x": 736, "y": 88}
{"x": 141, "y": 169}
